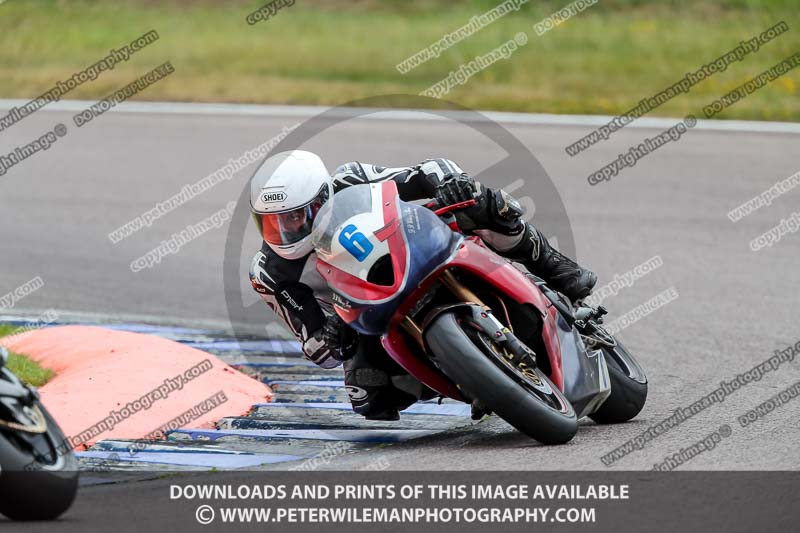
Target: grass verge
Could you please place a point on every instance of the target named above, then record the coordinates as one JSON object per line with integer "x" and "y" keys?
{"x": 24, "y": 367}
{"x": 601, "y": 61}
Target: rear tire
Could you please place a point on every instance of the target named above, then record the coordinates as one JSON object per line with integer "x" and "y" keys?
{"x": 34, "y": 488}
{"x": 628, "y": 387}
{"x": 539, "y": 411}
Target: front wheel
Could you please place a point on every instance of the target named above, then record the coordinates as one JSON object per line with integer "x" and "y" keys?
{"x": 39, "y": 479}
{"x": 521, "y": 395}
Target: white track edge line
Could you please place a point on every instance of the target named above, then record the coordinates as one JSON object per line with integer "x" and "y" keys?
{"x": 542, "y": 119}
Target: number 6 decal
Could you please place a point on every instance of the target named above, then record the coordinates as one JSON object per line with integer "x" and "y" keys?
{"x": 355, "y": 242}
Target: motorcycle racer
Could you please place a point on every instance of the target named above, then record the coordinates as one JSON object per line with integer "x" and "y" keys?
{"x": 286, "y": 193}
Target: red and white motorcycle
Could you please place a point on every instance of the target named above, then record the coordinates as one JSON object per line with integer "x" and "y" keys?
{"x": 467, "y": 323}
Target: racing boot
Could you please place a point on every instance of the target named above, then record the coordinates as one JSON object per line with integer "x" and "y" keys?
{"x": 559, "y": 271}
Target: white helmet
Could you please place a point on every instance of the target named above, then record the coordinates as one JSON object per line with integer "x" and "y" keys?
{"x": 286, "y": 192}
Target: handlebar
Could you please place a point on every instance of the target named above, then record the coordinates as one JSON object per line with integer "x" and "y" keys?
{"x": 436, "y": 207}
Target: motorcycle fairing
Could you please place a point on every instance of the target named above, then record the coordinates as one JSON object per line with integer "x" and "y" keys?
{"x": 368, "y": 307}
{"x": 389, "y": 226}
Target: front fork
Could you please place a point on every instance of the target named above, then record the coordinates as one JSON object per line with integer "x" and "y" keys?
{"x": 481, "y": 318}
{"x": 463, "y": 293}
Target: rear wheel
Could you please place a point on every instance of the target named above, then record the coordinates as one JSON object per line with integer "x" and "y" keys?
{"x": 628, "y": 386}
{"x": 521, "y": 395}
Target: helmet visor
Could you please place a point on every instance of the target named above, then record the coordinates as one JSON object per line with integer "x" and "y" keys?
{"x": 289, "y": 227}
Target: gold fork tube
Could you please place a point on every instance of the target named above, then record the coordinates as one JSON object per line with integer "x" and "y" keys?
{"x": 461, "y": 291}
{"x": 456, "y": 287}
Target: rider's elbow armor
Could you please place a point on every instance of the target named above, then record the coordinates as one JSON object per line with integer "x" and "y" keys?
{"x": 308, "y": 331}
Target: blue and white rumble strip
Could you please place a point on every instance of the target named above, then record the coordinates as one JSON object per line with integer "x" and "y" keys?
{"x": 310, "y": 414}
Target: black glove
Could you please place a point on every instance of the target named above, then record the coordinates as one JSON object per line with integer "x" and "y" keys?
{"x": 494, "y": 209}
{"x": 455, "y": 189}
{"x": 339, "y": 338}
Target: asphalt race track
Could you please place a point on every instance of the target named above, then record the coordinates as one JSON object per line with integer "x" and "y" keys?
{"x": 735, "y": 306}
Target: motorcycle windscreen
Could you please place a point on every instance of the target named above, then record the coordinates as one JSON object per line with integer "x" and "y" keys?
{"x": 344, "y": 205}
{"x": 586, "y": 381}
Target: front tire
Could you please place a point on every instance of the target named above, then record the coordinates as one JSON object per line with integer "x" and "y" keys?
{"x": 528, "y": 401}
{"x": 37, "y": 482}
